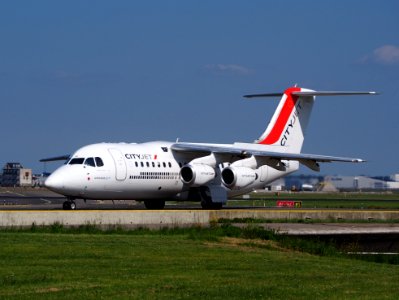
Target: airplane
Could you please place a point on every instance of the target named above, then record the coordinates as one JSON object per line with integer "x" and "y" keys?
{"x": 157, "y": 171}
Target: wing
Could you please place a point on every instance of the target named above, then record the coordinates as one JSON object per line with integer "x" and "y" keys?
{"x": 62, "y": 157}
{"x": 309, "y": 160}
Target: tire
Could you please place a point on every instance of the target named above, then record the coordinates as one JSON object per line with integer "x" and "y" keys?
{"x": 205, "y": 204}
{"x": 217, "y": 205}
{"x": 154, "y": 204}
{"x": 66, "y": 205}
{"x": 211, "y": 205}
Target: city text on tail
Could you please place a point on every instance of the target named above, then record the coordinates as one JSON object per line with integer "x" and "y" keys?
{"x": 155, "y": 172}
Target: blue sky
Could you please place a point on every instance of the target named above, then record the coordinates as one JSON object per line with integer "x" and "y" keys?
{"x": 79, "y": 72}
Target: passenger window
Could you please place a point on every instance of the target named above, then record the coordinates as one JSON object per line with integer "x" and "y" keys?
{"x": 90, "y": 162}
{"x": 170, "y": 165}
{"x": 142, "y": 164}
{"x": 76, "y": 161}
{"x": 136, "y": 163}
{"x": 99, "y": 162}
{"x": 148, "y": 164}
{"x": 164, "y": 165}
{"x": 153, "y": 164}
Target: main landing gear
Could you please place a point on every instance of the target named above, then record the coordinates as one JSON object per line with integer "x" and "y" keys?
{"x": 69, "y": 205}
{"x": 208, "y": 204}
{"x": 154, "y": 204}
{"x": 206, "y": 200}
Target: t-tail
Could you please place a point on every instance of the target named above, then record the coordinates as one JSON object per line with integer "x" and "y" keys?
{"x": 287, "y": 128}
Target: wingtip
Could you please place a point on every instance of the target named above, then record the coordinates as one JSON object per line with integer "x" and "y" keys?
{"x": 263, "y": 95}
{"x": 359, "y": 160}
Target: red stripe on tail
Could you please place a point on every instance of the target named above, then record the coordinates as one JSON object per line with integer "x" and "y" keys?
{"x": 283, "y": 117}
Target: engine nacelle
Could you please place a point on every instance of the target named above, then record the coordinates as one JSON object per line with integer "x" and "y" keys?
{"x": 196, "y": 175}
{"x": 238, "y": 177}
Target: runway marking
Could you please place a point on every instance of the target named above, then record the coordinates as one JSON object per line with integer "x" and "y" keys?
{"x": 46, "y": 200}
{"x": 9, "y": 192}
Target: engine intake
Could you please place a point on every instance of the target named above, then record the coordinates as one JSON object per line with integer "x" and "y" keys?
{"x": 238, "y": 177}
{"x": 196, "y": 175}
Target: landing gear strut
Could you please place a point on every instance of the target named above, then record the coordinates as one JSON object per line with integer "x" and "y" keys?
{"x": 69, "y": 205}
{"x": 206, "y": 200}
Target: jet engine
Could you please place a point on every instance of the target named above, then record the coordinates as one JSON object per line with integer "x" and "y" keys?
{"x": 196, "y": 175}
{"x": 238, "y": 177}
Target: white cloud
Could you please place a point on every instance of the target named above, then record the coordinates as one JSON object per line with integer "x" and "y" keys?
{"x": 387, "y": 54}
{"x": 229, "y": 68}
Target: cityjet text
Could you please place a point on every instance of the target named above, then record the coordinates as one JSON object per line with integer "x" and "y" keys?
{"x": 140, "y": 156}
{"x": 291, "y": 123}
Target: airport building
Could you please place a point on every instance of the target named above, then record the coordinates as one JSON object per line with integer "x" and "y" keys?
{"x": 39, "y": 179}
{"x": 14, "y": 174}
{"x": 336, "y": 183}
{"x": 361, "y": 183}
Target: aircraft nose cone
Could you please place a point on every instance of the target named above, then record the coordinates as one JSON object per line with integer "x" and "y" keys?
{"x": 54, "y": 183}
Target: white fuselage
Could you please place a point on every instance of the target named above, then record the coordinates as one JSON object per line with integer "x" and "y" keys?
{"x": 139, "y": 172}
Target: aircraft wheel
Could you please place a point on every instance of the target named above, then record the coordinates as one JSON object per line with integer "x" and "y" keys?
{"x": 154, "y": 204}
{"x": 211, "y": 205}
{"x": 205, "y": 204}
{"x": 217, "y": 205}
{"x": 72, "y": 205}
{"x": 69, "y": 205}
{"x": 66, "y": 205}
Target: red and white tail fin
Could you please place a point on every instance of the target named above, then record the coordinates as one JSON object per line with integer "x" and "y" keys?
{"x": 288, "y": 125}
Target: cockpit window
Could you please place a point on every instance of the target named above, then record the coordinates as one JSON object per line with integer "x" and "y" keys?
{"x": 90, "y": 162}
{"x": 76, "y": 161}
{"x": 99, "y": 162}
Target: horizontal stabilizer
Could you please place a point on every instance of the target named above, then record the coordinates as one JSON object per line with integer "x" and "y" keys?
{"x": 332, "y": 93}
{"x": 264, "y": 95}
{"x": 315, "y": 93}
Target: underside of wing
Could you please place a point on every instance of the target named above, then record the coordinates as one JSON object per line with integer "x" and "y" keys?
{"x": 309, "y": 160}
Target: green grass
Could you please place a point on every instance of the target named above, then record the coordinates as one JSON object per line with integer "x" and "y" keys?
{"x": 194, "y": 263}
{"x": 323, "y": 200}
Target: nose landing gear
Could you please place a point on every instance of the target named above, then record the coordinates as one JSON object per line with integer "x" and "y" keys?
{"x": 69, "y": 205}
